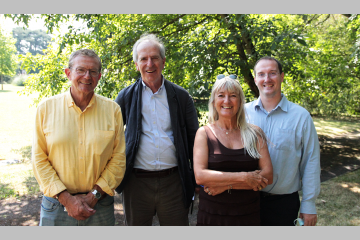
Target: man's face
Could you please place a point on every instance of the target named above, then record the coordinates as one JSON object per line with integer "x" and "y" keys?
{"x": 83, "y": 85}
{"x": 268, "y": 79}
{"x": 149, "y": 62}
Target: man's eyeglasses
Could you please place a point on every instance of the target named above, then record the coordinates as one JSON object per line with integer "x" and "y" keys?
{"x": 221, "y": 76}
{"x": 263, "y": 75}
{"x": 83, "y": 71}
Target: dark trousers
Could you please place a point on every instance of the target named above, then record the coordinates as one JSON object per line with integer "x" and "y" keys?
{"x": 145, "y": 197}
{"x": 279, "y": 210}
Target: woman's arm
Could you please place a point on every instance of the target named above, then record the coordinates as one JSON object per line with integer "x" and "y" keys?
{"x": 212, "y": 178}
{"x": 265, "y": 160}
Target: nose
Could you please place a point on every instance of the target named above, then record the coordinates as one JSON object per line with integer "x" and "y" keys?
{"x": 150, "y": 62}
{"x": 227, "y": 99}
{"x": 87, "y": 74}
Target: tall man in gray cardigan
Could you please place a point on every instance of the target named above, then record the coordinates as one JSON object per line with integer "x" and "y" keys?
{"x": 161, "y": 123}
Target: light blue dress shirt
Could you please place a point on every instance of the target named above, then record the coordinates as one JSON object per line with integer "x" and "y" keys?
{"x": 294, "y": 149}
{"x": 156, "y": 149}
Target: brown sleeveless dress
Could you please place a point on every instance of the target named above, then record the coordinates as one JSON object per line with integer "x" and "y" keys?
{"x": 241, "y": 207}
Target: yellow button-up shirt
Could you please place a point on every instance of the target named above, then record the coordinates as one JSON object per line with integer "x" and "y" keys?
{"x": 74, "y": 150}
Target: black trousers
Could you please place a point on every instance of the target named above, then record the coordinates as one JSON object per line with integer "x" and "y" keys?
{"x": 279, "y": 210}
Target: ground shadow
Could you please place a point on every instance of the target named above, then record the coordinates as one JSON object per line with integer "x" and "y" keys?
{"x": 5, "y": 91}
{"x": 338, "y": 155}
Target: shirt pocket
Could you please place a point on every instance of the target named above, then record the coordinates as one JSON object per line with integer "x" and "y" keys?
{"x": 284, "y": 139}
{"x": 104, "y": 142}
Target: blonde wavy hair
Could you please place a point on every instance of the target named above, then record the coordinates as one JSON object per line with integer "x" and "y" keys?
{"x": 249, "y": 133}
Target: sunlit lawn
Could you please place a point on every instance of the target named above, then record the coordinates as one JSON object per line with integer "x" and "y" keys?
{"x": 338, "y": 203}
{"x": 16, "y": 121}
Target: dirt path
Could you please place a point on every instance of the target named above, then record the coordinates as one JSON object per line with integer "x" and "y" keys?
{"x": 339, "y": 155}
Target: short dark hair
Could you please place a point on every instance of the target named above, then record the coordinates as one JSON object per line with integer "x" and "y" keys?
{"x": 269, "y": 58}
{"x": 84, "y": 52}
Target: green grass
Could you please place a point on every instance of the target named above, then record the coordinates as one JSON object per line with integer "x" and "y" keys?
{"x": 330, "y": 127}
{"x": 339, "y": 201}
{"x": 17, "y": 122}
{"x": 17, "y": 180}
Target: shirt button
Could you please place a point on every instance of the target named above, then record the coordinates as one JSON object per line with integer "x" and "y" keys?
{"x": 81, "y": 158}
{"x": 154, "y": 122}
{"x": 80, "y": 142}
{"x": 157, "y": 146}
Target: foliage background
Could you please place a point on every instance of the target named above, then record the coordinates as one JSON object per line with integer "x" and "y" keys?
{"x": 319, "y": 53}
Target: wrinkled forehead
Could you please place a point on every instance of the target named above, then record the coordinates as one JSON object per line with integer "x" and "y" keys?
{"x": 148, "y": 47}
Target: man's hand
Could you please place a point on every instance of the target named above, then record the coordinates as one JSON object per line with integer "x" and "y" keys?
{"x": 89, "y": 199}
{"x": 76, "y": 206}
{"x": 309, "y": 219}
{"x": 255, "y": 180}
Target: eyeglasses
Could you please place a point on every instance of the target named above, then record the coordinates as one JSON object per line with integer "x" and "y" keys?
{"x": 221, "y": 76}
{"x": 83, "y": 71}
{"x": 263, "y": 75}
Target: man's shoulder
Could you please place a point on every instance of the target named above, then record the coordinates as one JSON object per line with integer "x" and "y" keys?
{"x": 53, "y": 99}
{"x": 250, "y": 105}
{"x": 294, "y": 107}
{"x": 105, "y": 101}
{"x": 181, "y": 92}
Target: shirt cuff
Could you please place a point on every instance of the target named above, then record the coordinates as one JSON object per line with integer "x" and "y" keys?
{"x": 105, "y": 187}
{"x": 56, "y": 188}
{"x": 308, "y": 207}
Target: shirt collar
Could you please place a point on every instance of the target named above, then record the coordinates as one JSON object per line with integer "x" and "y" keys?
{"x": 71, "y": 102}
{"x": 283, "y": 104}
{"x": 160, "y": 88}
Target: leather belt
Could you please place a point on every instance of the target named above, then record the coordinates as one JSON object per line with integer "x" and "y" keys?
{"x": 266, "y": 194}
{"x": 140, "y": 173}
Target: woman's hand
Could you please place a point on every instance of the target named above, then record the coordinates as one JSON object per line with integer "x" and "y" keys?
{"x": 215, "y": 190}
{"x": 255, "y": 180}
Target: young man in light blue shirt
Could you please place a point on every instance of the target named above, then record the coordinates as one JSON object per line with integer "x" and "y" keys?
{"x": 293, "y": 147}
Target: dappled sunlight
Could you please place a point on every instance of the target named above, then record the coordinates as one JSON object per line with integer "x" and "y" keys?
{"x": 334, "y": 127}
{"x": 354, "y": 187}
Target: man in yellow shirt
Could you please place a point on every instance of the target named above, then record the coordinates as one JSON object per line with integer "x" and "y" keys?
{"x": 79, "y": 149}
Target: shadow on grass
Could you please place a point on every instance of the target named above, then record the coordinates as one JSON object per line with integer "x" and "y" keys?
{"x": 338, "y": 203}
{"x": 5, "y": 91}
{"x": 338, "y": 156}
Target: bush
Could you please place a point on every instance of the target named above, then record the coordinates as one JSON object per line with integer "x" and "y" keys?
{"x": 19, "y": 80}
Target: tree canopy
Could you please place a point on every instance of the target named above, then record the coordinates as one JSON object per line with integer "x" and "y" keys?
{"x": 33, "y": 41}
{"x": 8, "y": 59}
{"x": 319, "y": 53}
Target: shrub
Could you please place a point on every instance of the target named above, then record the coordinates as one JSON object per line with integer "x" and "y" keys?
{"x": 19, "y": 80}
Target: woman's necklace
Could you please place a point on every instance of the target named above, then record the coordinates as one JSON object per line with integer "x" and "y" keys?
{"x": 225, "y": 130}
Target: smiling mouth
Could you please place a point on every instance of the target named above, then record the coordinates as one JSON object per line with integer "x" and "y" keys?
{"x": 268, "y": 85}
{"x": 86, "y": 83}
{"x": 150, "y": 71}
{"x": 227, "y": 107}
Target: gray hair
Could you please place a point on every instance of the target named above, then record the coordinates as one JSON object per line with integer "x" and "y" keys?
{"x": 84, "y": 52}
{"x": 249, "y": 133}
{"x": 152, "y": 38}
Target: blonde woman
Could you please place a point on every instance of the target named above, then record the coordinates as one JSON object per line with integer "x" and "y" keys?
{"x": 231, "y": 160}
